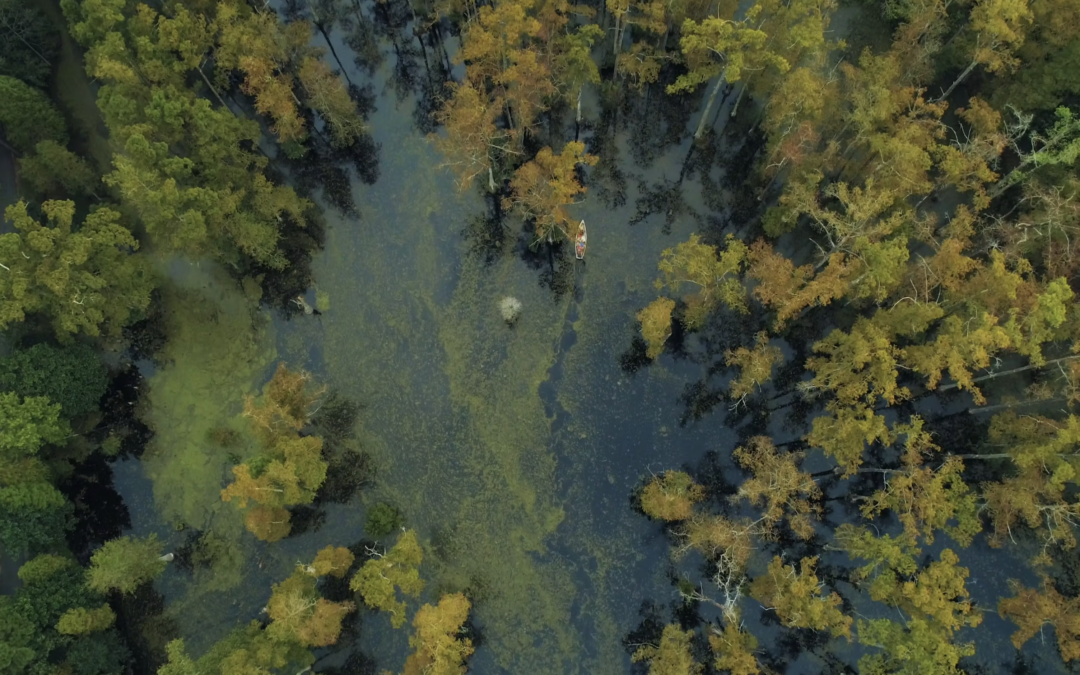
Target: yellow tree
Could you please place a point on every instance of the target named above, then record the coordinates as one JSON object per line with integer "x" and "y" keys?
{"x": 797, "y": 597}
{"x": 543, "y": 187}
{"x": 788, "y": 290}
{"x": 755, "y": 366}
{"x": 777, "y": 485}
{"x": 288, "y": 468}
{"x": 967, "y": 163}
{"x": 473, "y": 139}
{"x": 329, "y": 97}
{"x": 502, "y": 52}
{"x": 713, "y": 273}
{"x": 998, "y": 29}
{"x": 858, "y": 366}
{"x": 720, "y": 48}
{"x": 297, "y": 613}
{"x": 332, "y": 560}
{"x": 672, "y": 656}
{"x": 655, "y": 321}
{"x": 439, "y": 648}
{"x": 398, "y": 570}
{"x": 734, "y": 648}
{"x": 927, "y": 498}
{"x": 268, "y": 523}
{"x": 1031, "y": 610}
{"x": 671, "y": 496}
{"x": 1043, "y": 452}
{"x": 258, "y": 45}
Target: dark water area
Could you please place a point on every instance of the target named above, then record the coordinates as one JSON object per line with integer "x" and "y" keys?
{"x": 513, "y": 450}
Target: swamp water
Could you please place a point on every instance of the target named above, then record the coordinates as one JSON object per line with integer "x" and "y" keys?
{"x": 512, "y": 451}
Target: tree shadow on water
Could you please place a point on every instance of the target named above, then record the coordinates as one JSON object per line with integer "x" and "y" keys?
{"x": 146, "y": 628}
{"x": 552, "y": 260}
{"x": 100, "y": 512}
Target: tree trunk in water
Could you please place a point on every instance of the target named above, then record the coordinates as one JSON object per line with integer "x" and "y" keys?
{"x": 326, "y": 36}
{"x": 491, "y": 180}
{"x": 738, "y": 100}
{"x": 709, "y": 104}
{"x": 212, "y": 89}
{"x": 956, "y": 83}
{"x": 1013, "y": 371}
{"x": 617, "y": 46}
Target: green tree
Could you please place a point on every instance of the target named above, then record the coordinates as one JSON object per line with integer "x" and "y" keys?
{"x": 71, "y": 376}
{"x": 53, "y": 171}
{"x": 191, "y": 172}
{"x": 125, "y": 563}
{"x": 85, "y": 279}
{"x": 29, "y": 43}
{"x": 80, "y": 620}
{"x": 33, "y": 517}
{"x": 28, "y": 423}
{"x": 28, "y": 117}
{"x": 382, "y": 519}
{"x": 918, "y": 648}
{"x": 574, "y": 65}
{"x": 16, "y": 639}
{"x": 327, "y": 95}
{"x": 54, "y": 587}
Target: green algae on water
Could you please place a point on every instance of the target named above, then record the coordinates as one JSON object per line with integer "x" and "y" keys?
{"x": 219, "y": 346}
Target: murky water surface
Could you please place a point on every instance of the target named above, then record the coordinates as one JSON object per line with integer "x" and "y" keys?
{"x": 513, "y": 451}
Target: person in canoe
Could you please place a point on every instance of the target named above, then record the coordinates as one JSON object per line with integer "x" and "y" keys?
{"x": 581, "y": 241}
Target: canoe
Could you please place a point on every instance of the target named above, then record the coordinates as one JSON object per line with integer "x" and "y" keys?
{"x": 581, "y": 242}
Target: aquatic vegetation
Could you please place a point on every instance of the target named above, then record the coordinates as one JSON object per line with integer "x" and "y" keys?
{"x": 218, "y": 346}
